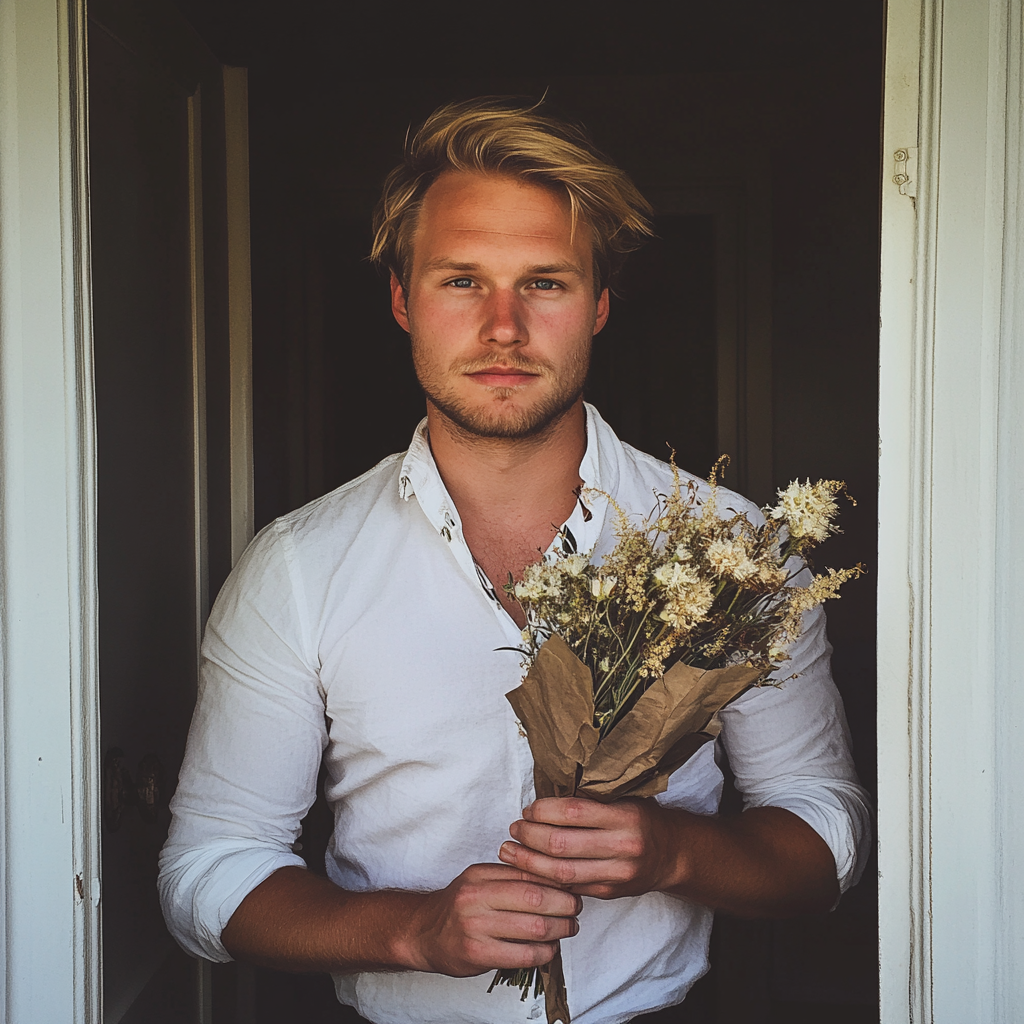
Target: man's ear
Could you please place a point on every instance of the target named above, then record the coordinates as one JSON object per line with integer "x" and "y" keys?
{"x": 399, "y": 306}
{"x": 602, "y": 310}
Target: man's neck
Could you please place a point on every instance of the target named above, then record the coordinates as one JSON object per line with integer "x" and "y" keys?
{"x": 511, "y": 482}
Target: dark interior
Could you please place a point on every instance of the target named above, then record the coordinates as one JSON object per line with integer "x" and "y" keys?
{"x": 777, "y": 104}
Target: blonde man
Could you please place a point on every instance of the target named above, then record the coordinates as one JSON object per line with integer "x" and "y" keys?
{"x": 363, "y": 627}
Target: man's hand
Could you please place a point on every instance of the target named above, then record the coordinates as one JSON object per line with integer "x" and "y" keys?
{"x": 766, "y": 862}
{"x": 490, "y": 916}
{"x": 605, "y": 850}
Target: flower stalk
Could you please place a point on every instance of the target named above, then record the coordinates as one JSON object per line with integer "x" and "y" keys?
{"x": 693, "y": 584}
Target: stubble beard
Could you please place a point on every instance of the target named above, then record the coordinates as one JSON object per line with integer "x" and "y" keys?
{"x": 507, "y": 421}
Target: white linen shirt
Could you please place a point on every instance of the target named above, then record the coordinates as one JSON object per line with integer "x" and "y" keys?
{"x": 359, "y": 629}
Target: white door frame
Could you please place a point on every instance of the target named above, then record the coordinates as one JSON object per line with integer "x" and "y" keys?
{"x": 951, "y": 543}
{"x": 49, "y": 855}
{"x": 50, "y": 911}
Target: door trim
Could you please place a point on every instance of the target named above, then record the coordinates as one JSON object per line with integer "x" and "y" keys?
{"x": 49, "y": 856}
{"x": 236, "y": 130}
{"x": 951, "y": 525}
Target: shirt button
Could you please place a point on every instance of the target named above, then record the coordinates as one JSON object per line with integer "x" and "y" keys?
{"x": 535, "y": 1011}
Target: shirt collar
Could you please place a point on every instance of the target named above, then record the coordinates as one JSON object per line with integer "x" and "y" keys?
{"x": 419, "y": 477}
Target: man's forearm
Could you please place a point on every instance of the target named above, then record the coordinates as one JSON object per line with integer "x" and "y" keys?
{"x": 490, "y": 915}
{"x": 766, "y": 862}
{"x": 298, "y": 921}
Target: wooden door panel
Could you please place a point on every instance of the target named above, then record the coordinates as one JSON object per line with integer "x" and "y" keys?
{"x": 142, "y": 302}
{"x": 160, "y": 243}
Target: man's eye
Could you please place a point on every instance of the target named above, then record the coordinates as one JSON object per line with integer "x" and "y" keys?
{"x": 545, "y": 285}
{"x": 461, "y": 282}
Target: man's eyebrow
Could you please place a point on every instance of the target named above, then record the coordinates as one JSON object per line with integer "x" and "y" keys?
{"x": 445, "y": 263}
{"x": 559, "y": 268}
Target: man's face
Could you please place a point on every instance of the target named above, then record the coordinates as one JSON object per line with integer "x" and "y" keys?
{"x": 500, "y": 305}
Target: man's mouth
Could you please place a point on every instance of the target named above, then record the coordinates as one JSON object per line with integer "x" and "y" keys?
{"x": 502, "y": 376}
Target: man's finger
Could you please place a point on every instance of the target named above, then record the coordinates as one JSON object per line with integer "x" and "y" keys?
{"x": 501, "y": 873}
{"x": 564, "y": 871}
{"x": 505, "y": 955}
{"x": 579, "y": 813}
{"x": 536, "y": 898}
{"x": 579, "y": 843}
{"x": 533, "y": 928}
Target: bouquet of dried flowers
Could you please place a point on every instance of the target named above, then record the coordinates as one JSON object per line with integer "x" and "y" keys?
{"x": 630, "y": 660}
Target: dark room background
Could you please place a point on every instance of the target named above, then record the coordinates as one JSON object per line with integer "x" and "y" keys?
{"x": 774, "y": 104}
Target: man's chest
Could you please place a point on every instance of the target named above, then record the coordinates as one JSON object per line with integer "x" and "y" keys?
{"x": 413, "y": 663}
{"x": 415, "y": 658}
{"x": 504, "y": 557}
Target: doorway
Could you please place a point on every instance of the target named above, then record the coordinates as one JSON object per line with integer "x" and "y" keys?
{"x": 754, "y": 129}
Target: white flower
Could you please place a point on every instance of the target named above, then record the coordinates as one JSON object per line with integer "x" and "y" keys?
{"x": 540, "y": 582}
{"x": 573, "y": 565}
{"x": 683, "y": 553}
{"x": 807, "y": 508}
{"x": 689, "y": 608}
{"x": 603, "y": 665}
{"x": 731, "y": 558}
{"x": 602, "y": 586}
{"x": 675, "y": 578}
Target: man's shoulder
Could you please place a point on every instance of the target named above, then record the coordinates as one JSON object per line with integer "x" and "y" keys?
{"x": 643, "y": 477}
{"x": 367, "y": 499}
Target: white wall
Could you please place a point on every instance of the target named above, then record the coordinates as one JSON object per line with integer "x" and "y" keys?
{"x": 951, "y": 579}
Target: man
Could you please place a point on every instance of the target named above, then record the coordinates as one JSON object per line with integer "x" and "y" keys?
{"x": 364, "y": 629}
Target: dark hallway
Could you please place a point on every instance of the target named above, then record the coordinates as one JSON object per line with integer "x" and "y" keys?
{"x": 749, "y": 325}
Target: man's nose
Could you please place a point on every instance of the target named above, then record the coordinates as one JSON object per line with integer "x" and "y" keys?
{"x": 504, "y": 323}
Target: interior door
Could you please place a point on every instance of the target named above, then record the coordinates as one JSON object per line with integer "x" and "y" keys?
{"x": 160, "y": 109}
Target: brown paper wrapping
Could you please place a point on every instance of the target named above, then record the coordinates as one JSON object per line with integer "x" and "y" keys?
{"x": 670, "y": 722}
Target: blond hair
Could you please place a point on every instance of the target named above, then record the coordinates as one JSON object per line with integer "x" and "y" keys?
{"x": 493, "y": 135}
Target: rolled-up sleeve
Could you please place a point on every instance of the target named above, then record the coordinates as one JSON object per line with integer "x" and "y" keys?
{"x": 254, "y": 748}
{"x": 789, "y": 746}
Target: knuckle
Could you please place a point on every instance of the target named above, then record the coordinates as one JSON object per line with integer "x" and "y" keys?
{"x": 575, "y": 807}
{"x": 622, "y": 872}
{"x": 543, "y": 953}
{"x": 465, "y": 898}
{"x": 525, "y": 859}
{"x": 557, "y": 841}
{"x": 567, "y": 905}
{"x": 473, "y": 875}
{"x": 633, "y": 847}
{"x": 565, "y": 872}
{"x": 474, "y": 951}
{"x": 533, "y": 895}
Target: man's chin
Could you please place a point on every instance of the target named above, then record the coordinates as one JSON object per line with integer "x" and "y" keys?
{"x": 506, "y": 421}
